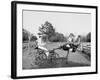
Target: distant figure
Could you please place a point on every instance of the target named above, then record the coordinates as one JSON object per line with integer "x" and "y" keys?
{"x": 78, "y": 42}
{"x": 71, "y": 38}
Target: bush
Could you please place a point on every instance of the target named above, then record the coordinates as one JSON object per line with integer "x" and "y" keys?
{"x": 57, "y": 37}
{"x": 33, "y": 38}
{"x": 25, "y": 36}
{"x": 88, "y": 37}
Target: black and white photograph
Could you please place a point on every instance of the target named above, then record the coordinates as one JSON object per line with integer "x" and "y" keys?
{"x": 55, "y": 39}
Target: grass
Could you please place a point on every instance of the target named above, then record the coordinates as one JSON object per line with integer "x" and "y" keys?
{"x": 28, "y": 58}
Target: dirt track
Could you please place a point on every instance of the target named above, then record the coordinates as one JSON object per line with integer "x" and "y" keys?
{"x": 74, "y": 60}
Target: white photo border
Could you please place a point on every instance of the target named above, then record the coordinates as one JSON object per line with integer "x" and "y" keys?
{"x": 19, "y": 7}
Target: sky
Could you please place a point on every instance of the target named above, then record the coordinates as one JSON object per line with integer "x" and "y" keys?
{"x": 65, "y": 23}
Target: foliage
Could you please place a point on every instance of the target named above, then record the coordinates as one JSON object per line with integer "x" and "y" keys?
{"x": 83, "y": 38}
{"x": 88, "y": 37}
{"x": 53, "y": 36}
{"x": 47, "y": 28}
{"x": 58, "y": 37}
{"x": 72, "y": 35}
{"x": 33, "y": 38}
{"x": 25, "y": 35}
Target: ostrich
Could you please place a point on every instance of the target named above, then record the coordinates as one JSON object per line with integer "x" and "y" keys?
{"x": 71, "y": 46}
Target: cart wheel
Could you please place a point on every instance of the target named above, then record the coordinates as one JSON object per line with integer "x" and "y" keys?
{"x": 56, "y": 55}
{"x": 43, "y": 56}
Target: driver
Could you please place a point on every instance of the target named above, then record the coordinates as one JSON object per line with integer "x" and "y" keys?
{"x": 40, "y": 43}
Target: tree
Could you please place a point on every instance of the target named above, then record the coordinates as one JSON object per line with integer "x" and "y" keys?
{"x": 25, "y": 35}
{"x": 57, "y": 37}
{"x": 28, "y": 36}
{"x": 33, "y": 38}
{"x": 50, "y": 33}
{"x": 47, "y": 28}
{"x": 88, "y": 37}
{"x": 72, "y": 35}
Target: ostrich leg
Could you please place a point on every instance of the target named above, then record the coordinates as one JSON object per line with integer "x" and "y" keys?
{"x": 67, "y": 56}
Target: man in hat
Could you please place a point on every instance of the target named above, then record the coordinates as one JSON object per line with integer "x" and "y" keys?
{"x": 41, "y": 44}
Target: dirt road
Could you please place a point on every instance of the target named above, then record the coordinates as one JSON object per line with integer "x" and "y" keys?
{"x": 75, "y": 59}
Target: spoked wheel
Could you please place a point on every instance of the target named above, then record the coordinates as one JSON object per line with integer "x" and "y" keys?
{"x": 40, "y": 57}
{"x": 53, "y": 57}
{"x": 56, "y": 55}
{"x": 43, "y": 56}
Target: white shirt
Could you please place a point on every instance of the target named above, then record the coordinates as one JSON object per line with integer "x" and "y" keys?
{"x": 41, "y": 44}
